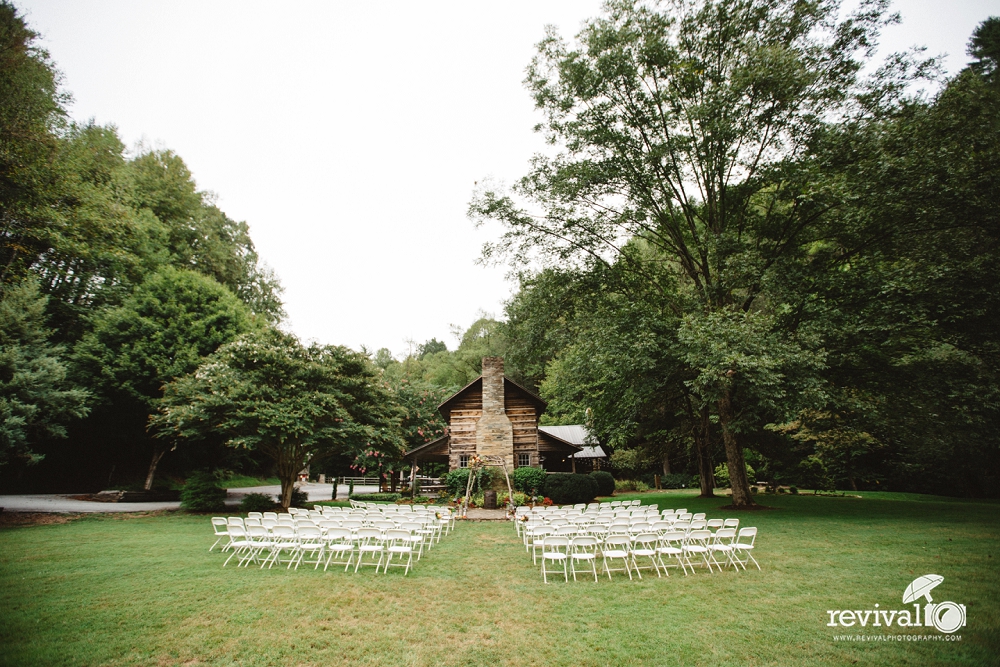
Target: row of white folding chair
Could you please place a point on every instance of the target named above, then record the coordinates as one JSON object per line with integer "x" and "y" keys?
{"x": 648, "y": 551}
{"x": 571, "y": 551}
{"x": 432, "y": 528}
{"x": 249, "y": 544}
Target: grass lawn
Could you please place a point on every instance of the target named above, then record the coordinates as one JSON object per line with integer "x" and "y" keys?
{"x": 242, "y": 482}
{"x": 115, "y": 590}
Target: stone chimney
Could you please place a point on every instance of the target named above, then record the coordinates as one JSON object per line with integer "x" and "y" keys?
{"x": 494, "y": 433}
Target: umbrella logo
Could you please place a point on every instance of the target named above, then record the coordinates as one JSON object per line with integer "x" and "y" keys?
{"x": 946, "y": 616}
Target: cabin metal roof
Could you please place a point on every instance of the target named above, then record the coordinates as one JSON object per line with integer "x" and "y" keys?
{"x": 576, "y": 434}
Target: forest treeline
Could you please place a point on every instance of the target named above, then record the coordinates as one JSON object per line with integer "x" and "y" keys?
{"x": 126, "y": 290}
{"x": 751, "y": 248}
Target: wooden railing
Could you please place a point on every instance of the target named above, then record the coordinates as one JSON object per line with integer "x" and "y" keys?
{"x": 359, "y": 481}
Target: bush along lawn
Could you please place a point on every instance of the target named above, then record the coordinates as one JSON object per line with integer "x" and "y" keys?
{"x": 115, "y": 590}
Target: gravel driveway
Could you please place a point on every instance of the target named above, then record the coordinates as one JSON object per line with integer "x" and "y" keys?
{"x": 54, "y": 502}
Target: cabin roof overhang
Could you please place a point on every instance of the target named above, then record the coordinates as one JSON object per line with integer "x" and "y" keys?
{"x": 553, "y": 443}
{"x": 435, "y": 449}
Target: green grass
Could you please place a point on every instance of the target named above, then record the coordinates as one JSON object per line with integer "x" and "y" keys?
{"x": 145, "y": 591}
{"x": 242, "y": 482}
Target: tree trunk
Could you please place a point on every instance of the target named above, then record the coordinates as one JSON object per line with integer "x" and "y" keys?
{"x": 287, "y": 486}
{"x": 288, "y": 467}
{"x": 666, "y": 464}
{"x": 703, "y": 443}
{"x": 738, "y": 480}
{"x": 157, "y": 455}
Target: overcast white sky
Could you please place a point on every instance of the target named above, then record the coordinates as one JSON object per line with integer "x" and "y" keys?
{"x": 349, "y": 135}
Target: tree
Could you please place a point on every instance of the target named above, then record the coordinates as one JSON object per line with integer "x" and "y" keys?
{"x": 693, "y": 128}
{"x": 36, "y": 398}
{"x": 985, "y": 48}
{"x": 199, "y": 236}
{"x": 31, "y": 109}
{"x": 613, "y": 361}
{"x": 296, "y": 405}
{"x": 161, "y": 332}
{"x": 433, "y": 346}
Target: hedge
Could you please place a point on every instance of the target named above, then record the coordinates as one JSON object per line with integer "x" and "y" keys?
{"x": 570, "y": 488}
{"x": 605, "y": 482}
{"x": 376, "y": 497}
{"x": 527, "y": 480}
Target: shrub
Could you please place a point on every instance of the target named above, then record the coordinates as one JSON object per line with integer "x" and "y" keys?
{"x": 527, "y": 480}
{"x": 201, "y": 494}
{"x": 376, "y": 497}
{"x": 570, "y": 488}
{"x": 722, "y": 475}
{"x": 677, "y": 481}
{"x": 626, "y": 485}
{"x": 257, "y": 502}
{"x": 519, "y": 499}
{"x": 299, "y": 498}
{"x": 605, "y": 482}
{"x": 456, "y": 480}
{"x": 793, "y": 490}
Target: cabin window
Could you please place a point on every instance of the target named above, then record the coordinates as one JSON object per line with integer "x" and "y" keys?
{"x": 463, "y": 461}
{"x": 523, "y": 460}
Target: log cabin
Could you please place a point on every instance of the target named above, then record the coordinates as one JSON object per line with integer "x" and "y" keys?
{"x": 495, "y": 416}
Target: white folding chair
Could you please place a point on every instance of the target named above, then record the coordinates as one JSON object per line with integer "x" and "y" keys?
{"x": 744, "y": 548}
{"x": 722, "y": 544}
{"x": 310, "y": 541}
{"x": 555, "y": 549}
{"x": 616, "y": 547}
{"x": 583, "y": 549}
{"x": 671, "y": 546}
{"x": 535, "y": 539}
{"x": 239, "y": 543}
{"x": 260, "y": 541}
{"x": 644, "y": 546}
{"x": 283, "y": 540}
{"x": 398, "y": 544}
{"x": 696, "y": 545}
{"x": 339, "y": 542}
{"x": 220, "y": 529}
{"x": 370, "y": 543}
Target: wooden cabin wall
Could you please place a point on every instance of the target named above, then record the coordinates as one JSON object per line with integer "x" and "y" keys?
{"x": 468, "y": 408}
{"x": 465, "y": 412}
{"x": 523, "y": 416}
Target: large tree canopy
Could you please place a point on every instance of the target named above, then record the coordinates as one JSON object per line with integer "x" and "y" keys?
{"x": 691, "y": 125}
{"x": 743, "y": 232}
{"x": 294, "y": 404}
{"x": 162, "y": 331}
